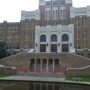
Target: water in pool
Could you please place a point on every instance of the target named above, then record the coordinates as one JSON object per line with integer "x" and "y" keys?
{"x": 10, "y": 85}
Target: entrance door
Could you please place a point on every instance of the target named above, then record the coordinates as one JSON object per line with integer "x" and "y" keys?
{"x": 64, "y": 47}
{"x": 43, "y": 48}
{"x": 53, "y": 47}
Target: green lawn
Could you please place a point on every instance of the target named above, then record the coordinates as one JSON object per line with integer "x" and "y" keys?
{"x": 84, "y": 78}
{"x": 4, "y": 75}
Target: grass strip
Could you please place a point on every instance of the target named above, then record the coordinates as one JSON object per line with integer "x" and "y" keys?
{"x": 84, "y": 78}
{"x": 4, "y": 75}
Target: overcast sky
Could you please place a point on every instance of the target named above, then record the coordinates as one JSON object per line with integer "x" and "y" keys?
{"x": 10, "y": 10}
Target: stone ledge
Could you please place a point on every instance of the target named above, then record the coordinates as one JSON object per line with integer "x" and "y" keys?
{"x": 84, "y": 71}
{"x": 8, "y": 70}
{"x": 42, "y": 79}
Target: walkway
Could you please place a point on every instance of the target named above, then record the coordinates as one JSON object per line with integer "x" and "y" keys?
{"x": 57, "y": 75}
{"x": 37, "y": 78}
{"x": 31, "y": 78}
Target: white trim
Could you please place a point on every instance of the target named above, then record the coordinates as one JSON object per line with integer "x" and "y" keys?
{"x": 78, "y": 68}
{"x": 80, "y": 56}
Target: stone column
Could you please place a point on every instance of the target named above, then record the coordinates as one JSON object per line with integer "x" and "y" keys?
{"x": 41, "y": 65}
{"x": 53, "y": 65}
{"x": 35, "y": 66}
{"x": 48, "y": 38}
{"x": 47, "y": 43}
{"x": 59, "y": 38}
{"x": 58, "y": 43}
{"x": 59, "y": 65}
{"x": 47, "y": 65}
{"x": 29, "y": 67}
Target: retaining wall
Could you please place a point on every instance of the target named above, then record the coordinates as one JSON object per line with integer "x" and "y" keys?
{"x": 85, "y": 71}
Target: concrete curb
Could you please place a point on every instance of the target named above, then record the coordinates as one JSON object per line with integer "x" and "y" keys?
{"x": 41, "y": 79}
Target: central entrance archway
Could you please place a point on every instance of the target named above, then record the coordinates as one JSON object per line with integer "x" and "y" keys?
{"x": 38, "y": 65}
{"x": 57, "y": 65}
{"x": 44, "y": 65}
{"x": 32, "y": 65}
{"x": 50, "y": 67}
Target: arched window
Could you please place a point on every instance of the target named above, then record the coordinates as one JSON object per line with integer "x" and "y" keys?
{"x": 65, "y": 37}
{"x": 43, "y": 38}
{"x": 53, "y": 38}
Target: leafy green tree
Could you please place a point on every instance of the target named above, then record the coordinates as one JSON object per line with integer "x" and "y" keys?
{"x": 2, "y": 50}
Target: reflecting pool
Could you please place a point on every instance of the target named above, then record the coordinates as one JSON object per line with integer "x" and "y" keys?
{"x": 5, "y": 85}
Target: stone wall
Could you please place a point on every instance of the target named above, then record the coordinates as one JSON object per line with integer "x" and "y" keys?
{"x": 66, "y": 60}
{"x": 85, "y": 71}
{"x": 7, "y": 70}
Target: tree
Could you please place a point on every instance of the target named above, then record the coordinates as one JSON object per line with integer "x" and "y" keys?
{"x": 2, "y": 50}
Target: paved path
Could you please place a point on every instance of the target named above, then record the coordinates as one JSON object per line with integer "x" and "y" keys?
{"x": 58, "y": 75}
{"x": 42, "y": 79}
{"x": 21, "y": 76}
{"x": 33, "y": 78}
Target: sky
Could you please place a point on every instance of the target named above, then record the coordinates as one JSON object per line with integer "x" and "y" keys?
{"x": 10, "y": 10}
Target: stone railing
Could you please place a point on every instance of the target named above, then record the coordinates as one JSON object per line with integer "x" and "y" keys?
{"x": 85, "y": 71}
{"x": 8, "y": 70}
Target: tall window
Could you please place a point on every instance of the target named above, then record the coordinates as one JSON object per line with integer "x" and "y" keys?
{"x": 48, "y": 15}
{"x": 55, "y": 3}
{"x": 77, "y": 35}
{"x": 25, "y": 46}
{"x": 48, "y": 3}
{"x": 33, "y": 36}
{"x": 56, "y": 14}
{"x": 9, "y": 46}
{"x": 84, "y": 34}
{"x": 84, "y": 45}
{"x": 77, "y": 21}
{"x": 9, "y": 38}
{"x": 27, "y": 23}
{"x": 83, "y": 21}
{"x": 53, "y": 38}
{"x": 48, "y": 23}
{"x": 1, "y": 38}
{"x": 62, "y": 2}
{"x": 77, "y": 46}
{"x": 16, "y": 47}
{"x": 26, "y": 37}
{"x": 53, "y": 14}
{"x": 65, "y": 37}
{"x": 32, "y": 23}
{"x": 31, "y": 45}
{"x": 43, "y": 38}
{"x": 62, "y": 14}
{"x": 18, "y": 28}
{"x": 1, "y": 28}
